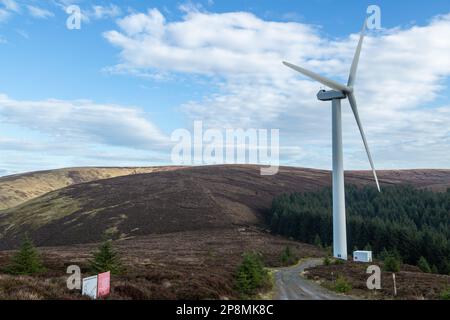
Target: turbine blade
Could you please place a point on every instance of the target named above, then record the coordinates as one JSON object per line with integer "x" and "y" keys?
{"x": 354, "y": 67}
{"x": 325, "y": 81}
{"x": 352, "y": 100}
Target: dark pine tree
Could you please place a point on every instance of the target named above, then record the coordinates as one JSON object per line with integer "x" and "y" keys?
{"x": 27, "y": 260}
{"x": 106, "y": 258}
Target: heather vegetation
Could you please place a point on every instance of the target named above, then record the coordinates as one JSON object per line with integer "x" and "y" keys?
{"x": 402, "y": 223}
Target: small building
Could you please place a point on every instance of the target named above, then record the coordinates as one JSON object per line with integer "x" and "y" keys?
{"x": 362, "y": 256}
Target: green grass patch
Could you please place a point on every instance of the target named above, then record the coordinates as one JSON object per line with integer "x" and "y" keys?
{"x": 38, "y": 212}
{"x": 342, "y": 285}
{"x": 445, "y": 294}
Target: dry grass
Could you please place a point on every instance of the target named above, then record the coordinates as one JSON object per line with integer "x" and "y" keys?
{"x": 185, "y": 265}
{"x": 17, "y": 189}
{"x": 411, "y": 283}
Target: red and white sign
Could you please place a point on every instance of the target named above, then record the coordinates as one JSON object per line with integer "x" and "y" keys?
{"x": 103, "y": 284}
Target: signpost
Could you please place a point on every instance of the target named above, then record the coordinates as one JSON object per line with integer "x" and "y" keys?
{"x": 90, "y": 287}
{"x": 103, "y": 284}
{"x": 395, "y": 285}
{"x": 97, "y": 286}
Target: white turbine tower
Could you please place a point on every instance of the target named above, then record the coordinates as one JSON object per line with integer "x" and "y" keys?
{"x": 340, "y": 92}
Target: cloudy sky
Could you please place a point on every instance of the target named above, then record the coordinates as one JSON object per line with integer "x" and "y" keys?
{"x": 112, "y": 92}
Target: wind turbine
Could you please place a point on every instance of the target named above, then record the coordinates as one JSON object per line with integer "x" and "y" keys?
{"x": 339, "y": 92}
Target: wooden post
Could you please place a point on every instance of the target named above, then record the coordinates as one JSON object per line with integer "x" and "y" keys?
{"x": 395, "y": 286}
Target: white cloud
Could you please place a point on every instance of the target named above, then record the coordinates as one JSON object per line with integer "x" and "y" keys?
{"x": 10, "y": 5}
{"x": 102, "y": 12}
{"x": 65, "y": 3}
{"x": 402, "y": 71}
{"x": 98, "y": 12}
{"x": 22, "y": 155}
{"x": 47, "y": 134}
{"x": 23, "y": 33}
{"x": 4, "y": 15}
{"x": 39, "y": 12}
{"x": 210, "y": 43}
{"x": 83, "y": 121}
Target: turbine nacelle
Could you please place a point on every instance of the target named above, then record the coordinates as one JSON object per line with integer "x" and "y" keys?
{"x": 324, "y": 95}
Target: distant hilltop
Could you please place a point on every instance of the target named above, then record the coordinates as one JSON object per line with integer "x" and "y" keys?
{"x": 78, "y": 205}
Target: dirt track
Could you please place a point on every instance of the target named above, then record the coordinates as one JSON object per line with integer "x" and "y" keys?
{"x": 291, "y": 286}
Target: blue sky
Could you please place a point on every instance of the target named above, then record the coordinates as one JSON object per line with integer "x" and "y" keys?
{"x": 108, "y": 95}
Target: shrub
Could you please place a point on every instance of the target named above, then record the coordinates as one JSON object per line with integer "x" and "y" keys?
{"x": 391, "y": 263}
{"x": 26, "y": 261}
{"x": 106, "y": 259}
{"x": 423, "y": 265}
{"x": 434, "y": 269}
{"x": 342, "y": 285}
{"x": 318, "y": 241}
{"x": 288, "y": 257}
{"x": 327, "y": 261}
{"x": 445, "y": 295}
{"x": 383, "y": 254}
{"x": 251, "y": 275}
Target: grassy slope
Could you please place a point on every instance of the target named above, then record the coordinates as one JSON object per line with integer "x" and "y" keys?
{"x": 196, "y": 198}
{"x": 17, "y": 189}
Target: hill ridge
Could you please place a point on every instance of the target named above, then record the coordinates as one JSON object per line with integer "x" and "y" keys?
{"x": 164, "y": 201}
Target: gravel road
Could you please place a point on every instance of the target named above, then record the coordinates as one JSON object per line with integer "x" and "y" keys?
{"x": 291, "y": 286}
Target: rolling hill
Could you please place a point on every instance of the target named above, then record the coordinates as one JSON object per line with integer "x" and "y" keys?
{"x": 16, "y": 189}
{"x": 168, "y": 200}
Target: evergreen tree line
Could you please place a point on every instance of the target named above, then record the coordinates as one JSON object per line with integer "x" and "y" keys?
{"x": 413, "y": 223}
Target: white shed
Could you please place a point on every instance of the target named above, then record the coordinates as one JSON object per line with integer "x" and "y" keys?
{"x": 362, "y": 256}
